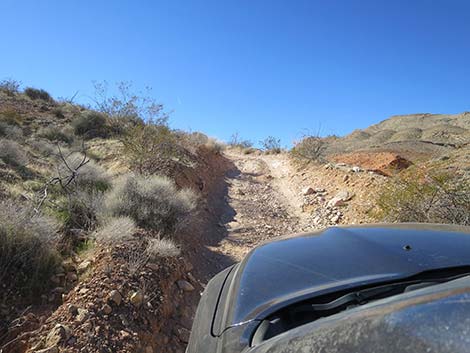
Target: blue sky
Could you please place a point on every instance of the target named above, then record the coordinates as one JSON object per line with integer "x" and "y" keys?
{"x": 257, "y": 67}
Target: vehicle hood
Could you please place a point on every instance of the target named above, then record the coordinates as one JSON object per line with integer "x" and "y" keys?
{"x": 288, "y": 270}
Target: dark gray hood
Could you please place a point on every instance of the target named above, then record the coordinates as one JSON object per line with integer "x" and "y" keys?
{"x": 289, "y": 270}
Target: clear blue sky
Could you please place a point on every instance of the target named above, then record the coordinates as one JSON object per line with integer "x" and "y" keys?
{"x": 257, "y": 67}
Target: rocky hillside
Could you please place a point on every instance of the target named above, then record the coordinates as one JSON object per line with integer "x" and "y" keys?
{"x": 401, "y": 140}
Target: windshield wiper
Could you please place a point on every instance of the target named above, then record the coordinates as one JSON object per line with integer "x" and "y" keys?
{"x": 365, "y": 295}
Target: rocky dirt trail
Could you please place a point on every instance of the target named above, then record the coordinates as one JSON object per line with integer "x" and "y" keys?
{"x": 262, "y": 204}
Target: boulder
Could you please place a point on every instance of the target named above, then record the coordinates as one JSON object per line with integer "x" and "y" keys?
{"x": 185, "y": 286}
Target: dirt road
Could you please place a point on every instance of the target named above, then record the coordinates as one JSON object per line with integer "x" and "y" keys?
{"x": 262, "y": 204}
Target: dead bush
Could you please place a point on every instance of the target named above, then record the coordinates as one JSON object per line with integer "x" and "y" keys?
{"x": 423, "y": 196}
{"x": 115, "y": 230}
{"x": 90, "y": 125}
{"x": 153, "y": 202}
{"x": 13, "y": 153}
{"x": 28, "y": 253}
{"x": 35, "y": 93}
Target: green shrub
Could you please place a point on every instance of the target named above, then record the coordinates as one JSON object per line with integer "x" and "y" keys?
{"x": 153, "y": 202}
{"x": 90, "y": 125}
{"x": 35, "y": 93}
{"x": 310, "y": 148}
{"x": 55, "y": 134}
{"x": 28, "y": 253}
{"x": 429, "y": 197}
{"x": 144, "y": 143}
{"x": 13, "y": 153}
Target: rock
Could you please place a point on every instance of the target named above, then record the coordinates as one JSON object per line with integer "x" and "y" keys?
{"x": 339, "y": 199}
{"x": 59, "y": 333}
{"x": 58, "y": 290}
{"x": 55, "y": 279}
{"x": 107, "y": 309}
{"x": 72, "y": 309}
{"x": 137, "y": 298}
{"x": 346, "y": 177}
{"x": 82, "y": 315}
{"x": 124, "y": 334}
{"x": 84, "y": 266}
{"x": 308, "y": 191}
{"x": 335, "y": 219}
{"x": 185, "y": 286}
{"x": 356, "y": 169}
{"x": 68, "y": 265}
{"x": 72, "y": 277}
{"x": 183, "y": 334}
{"x": 115, "y": 297}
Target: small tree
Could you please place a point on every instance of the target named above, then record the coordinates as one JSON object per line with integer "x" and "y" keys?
{"x": 271, "y": 144}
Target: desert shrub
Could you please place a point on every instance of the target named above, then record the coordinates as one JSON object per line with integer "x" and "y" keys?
{"x": 115, "y": 230}
{"x": 44, "y": 147}
{"x": 27, "y": 247}
{"x": 81, "y": 210}
{"x": 430, "y": 197}
{"x": 59, "y": 113}
{"x": 249, "y": 150}
{"x": 9, "y": 131}
{"x": 54, "y": 133}
{"x": 214, "y": 145}
{"x": 144, "y": 143}
{"x": 11, "y": 117}
{"x": 129, "y": 107}
{"x": 271, "y": 144}
{"x": 157, "y": 248}
{"x": 310, "y": 148}
{"x": 13, "y": 153}
{"x": 35, "y": 93}
{"x": 153, "y": 202}
{"x": 236, "y": 141}
{"x": 91, "y": 125}
{"x": 9, "y": 86}
{"x": 89, "y": 176}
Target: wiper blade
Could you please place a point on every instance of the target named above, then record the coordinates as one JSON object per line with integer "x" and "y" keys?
{"x": 365, "y": 295}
